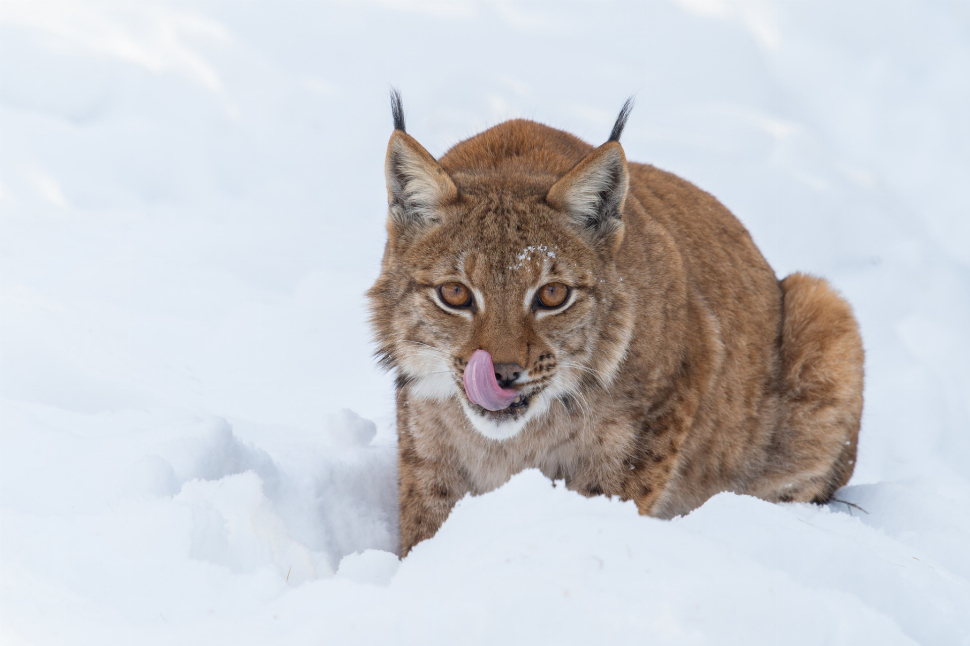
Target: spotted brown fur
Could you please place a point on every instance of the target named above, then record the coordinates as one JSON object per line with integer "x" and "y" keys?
{"x": 682, "y": 367}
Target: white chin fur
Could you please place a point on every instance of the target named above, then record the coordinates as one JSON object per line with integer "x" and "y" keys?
{"x": 435, "y": 387}
{"x": 505, "y": 430}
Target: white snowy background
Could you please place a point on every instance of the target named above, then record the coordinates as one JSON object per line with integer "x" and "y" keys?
{"x": 197, "y": 447}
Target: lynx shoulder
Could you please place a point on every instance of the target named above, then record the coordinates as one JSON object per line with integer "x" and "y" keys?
{"x": 546, "y": 304}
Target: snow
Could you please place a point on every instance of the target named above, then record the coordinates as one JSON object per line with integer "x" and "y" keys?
{"x": 196, "y": 445}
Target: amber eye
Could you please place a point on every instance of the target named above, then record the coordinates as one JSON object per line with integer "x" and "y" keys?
{"x": 455, "y": 295}
{"x": 552, "y": 295}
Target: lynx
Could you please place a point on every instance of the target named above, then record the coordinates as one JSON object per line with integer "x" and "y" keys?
{"x": 546, "y": 304}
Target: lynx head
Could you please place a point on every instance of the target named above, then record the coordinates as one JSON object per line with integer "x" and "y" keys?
{"x": 498, "y": 288}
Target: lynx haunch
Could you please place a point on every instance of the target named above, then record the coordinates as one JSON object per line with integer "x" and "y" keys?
{"x": 547, "y": 304}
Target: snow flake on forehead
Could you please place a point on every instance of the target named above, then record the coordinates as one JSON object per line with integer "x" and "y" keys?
{"x": 539, "y": 253}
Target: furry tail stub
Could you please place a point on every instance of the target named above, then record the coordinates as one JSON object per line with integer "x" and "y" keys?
{"x": 822, "y": 359}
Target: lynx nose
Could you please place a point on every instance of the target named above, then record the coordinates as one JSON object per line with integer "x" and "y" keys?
{"x": 507, "y": 373}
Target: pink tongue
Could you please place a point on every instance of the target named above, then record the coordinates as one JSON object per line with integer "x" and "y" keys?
{"x": 481, "y": 385}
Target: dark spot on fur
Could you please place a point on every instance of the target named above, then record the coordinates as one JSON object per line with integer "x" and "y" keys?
{"x": 409, "y": 456}
{"x": 645, "y": 428}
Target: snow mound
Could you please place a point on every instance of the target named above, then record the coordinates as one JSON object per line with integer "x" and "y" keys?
{"x": 736, "y": 567}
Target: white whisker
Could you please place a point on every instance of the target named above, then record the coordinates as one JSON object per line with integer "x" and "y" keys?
{"x": 598, "y": 377}
{"x": 431, "y": 347}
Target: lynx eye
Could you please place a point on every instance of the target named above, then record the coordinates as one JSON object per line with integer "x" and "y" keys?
{"x": 455, "y": 295}
{"x": 552, "y": 295}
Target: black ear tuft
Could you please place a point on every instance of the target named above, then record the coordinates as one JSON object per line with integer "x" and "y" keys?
{"x": 620, "y": 119}
{"x": 397, "y": 110}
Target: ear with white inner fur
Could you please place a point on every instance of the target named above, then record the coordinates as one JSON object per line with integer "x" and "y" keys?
{"x": 416, "y": 183}
{"x": 593, "y": 193}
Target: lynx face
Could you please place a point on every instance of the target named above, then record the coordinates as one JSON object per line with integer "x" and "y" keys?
{"x": 520, "y": 271}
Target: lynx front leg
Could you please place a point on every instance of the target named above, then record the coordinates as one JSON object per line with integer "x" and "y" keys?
{"x": 427, "y": 490}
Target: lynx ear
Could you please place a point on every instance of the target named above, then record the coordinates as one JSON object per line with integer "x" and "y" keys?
{"x": 593, "y": 193}
{"x": 416, "y": 184}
